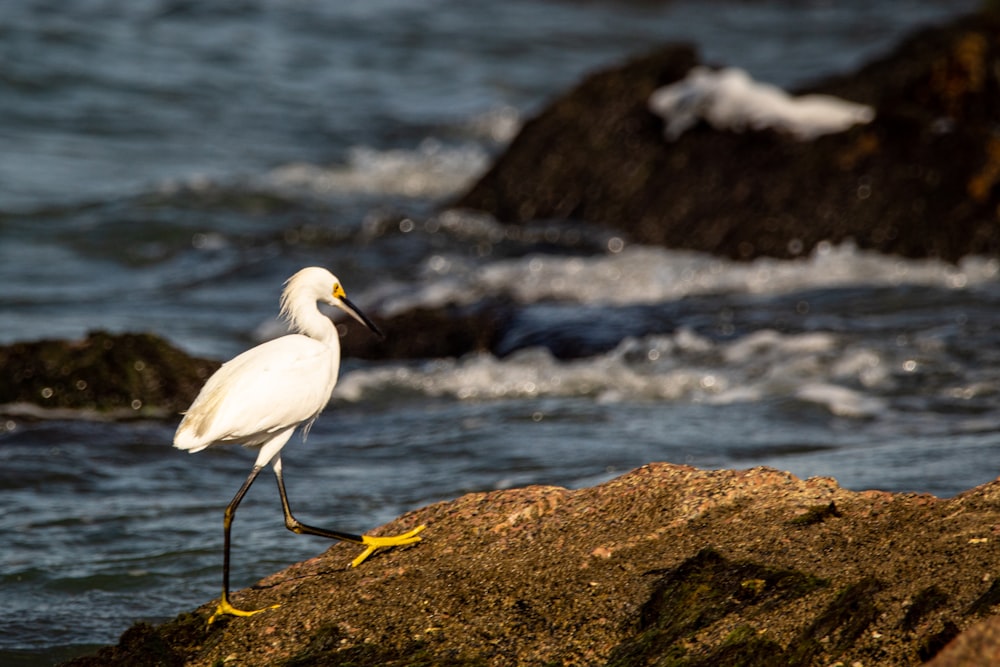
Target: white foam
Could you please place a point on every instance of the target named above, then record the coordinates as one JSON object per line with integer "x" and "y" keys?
{"x": 819, "y": 369}
{"x": 433, "y": 169}
{"x": 841, "y": 401}
{"x": 527, "y": 374}
{"x": 645, "y": 274}
{"x": 729, "y": 99}
{"x": 498, "y": 126}
{"x": 752, "y": 346}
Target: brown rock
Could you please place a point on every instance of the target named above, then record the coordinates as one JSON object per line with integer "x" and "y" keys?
{"x": 665, "y": 565}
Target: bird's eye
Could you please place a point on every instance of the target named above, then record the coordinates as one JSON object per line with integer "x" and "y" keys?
{"x": 338, "y": 291}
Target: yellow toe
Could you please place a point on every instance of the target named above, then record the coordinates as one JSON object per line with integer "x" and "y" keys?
{"x": 226, "y": 609}
{"x": 372, "y": 544}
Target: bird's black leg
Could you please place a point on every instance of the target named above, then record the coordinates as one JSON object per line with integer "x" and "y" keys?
{"x": 372, "y": 543}
{"x": 225, "y": 608}
{"x": 299, "y": 528}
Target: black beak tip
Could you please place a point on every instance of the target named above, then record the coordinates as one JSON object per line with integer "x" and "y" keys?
{"x": 356, "y": 313}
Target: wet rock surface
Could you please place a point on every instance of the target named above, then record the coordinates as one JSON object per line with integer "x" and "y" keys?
{"x": 666, "y": 565}
{"x": 919, "y": 181}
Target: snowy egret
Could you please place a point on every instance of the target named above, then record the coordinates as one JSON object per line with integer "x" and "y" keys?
{"x": 260, "y": 397}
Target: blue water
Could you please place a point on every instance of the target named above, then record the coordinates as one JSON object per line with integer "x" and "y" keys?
{"x": 166, "y": 165}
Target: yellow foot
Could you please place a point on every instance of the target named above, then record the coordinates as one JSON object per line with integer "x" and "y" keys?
{"x": 226, "y": 609}
{"x": 375, "y": 543}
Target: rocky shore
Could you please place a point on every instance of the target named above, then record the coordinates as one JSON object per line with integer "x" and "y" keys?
{"x": 666, "y": 565}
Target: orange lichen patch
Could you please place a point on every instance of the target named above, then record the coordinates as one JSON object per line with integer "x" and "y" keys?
{"x": 962, "y": 72}
{"x": 549, "y": 499}
{"x": 602, "y": 552}
{"x": 982, "y": 182}
{"x": 866, "y": 145}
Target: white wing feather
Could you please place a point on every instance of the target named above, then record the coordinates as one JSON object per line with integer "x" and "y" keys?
{"x": 267, "y": 389}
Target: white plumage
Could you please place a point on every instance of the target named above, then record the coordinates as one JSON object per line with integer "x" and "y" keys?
{"x": 260, "y": 397}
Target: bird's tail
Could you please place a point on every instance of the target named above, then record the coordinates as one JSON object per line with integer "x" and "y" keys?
{"x": 188, "y": 439}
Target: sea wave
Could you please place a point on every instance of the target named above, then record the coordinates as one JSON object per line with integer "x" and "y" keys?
{"x": 634, "y": 274}
{"x": 829, "y": 371}
{"x": 433, "y": 169}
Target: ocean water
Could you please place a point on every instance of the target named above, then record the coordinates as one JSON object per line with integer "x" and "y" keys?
{"x": 166, "y": 165}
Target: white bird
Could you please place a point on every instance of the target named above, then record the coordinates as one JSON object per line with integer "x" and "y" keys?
{"x": 260, "y": 397}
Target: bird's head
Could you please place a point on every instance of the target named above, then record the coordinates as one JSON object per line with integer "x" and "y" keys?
{"x": 338, "y": 298}
{"x": 317, "y": 284}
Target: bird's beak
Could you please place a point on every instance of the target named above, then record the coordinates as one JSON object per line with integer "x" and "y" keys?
{"x": 355, "y": 312}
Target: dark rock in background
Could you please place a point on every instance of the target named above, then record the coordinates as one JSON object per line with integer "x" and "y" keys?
{"x": 426, "y": 333}
{"x": 113, "y": 376}
{"x": 919, "y": 181}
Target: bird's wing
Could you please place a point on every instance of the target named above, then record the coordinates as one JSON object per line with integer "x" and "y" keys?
{"x": 267, "y": 389}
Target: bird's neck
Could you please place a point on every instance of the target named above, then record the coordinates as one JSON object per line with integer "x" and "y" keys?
{"x": 307, "y": 319}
